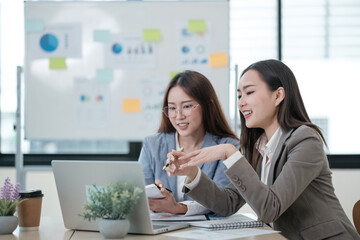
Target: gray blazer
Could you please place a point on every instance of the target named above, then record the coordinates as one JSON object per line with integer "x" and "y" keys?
{"x": 153, "y": 158}
{"x": 299, "y": 198}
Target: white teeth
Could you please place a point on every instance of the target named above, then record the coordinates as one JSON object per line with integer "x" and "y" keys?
{"x": 182, "y": 124}
{"x": 247, "y": 112}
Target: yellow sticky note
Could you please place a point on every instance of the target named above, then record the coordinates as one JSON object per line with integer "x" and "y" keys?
{"x": 218, "y": 59}
{"x": 195, "y": 26}
{"x": 152, "y": 35}
{"x": 131, "y": 105}
{"x": 57, "y": 63}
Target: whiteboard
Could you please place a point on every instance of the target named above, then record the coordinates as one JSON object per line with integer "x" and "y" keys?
{"x": 98, "y": 70}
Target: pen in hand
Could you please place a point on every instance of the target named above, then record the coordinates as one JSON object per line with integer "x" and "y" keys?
{"x": 168, "y": 160}
{"x": 160, "y": 186}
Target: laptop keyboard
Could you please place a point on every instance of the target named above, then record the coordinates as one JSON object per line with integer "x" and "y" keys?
{"x": 159, "y": 226}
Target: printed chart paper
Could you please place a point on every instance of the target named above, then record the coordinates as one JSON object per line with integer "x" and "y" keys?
{"x": 91, "y": 103}
{"x": 56, "y": 40}
{"x": 129, "y": 51}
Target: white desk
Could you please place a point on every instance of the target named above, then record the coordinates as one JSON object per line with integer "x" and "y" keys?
{"x": 82, "y": 235}
{"x": 52, "y": 228}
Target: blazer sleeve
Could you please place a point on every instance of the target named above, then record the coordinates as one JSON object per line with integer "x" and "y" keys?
{"x": 222, "y": 201}
{"x": 219, "y": 176}
{"x": 304, "y": 159}
{"x": 146, "y": 161}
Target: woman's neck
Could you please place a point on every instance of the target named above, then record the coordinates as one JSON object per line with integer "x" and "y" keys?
{"x": 270, "y": 130}
{"x": 191, "y": 143}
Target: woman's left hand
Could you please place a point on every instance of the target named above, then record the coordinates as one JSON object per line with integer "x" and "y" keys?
{"x": 173, "y": 168}
{"x": 167, "y": 204}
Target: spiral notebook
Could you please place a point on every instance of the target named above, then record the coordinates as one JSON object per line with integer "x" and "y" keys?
{"x": 232, "y": 222}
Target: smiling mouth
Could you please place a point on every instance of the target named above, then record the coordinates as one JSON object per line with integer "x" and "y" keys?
{"x": 246, "y": 113}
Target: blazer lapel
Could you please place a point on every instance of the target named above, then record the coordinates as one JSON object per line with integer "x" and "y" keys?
{"x": 276, "y": 156}
{"x": 207, "y": 142}
{"x": 171, "y": 144}
{"x": 258, "y": 166}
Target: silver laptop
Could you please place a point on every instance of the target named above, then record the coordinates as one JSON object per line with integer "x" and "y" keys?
{"x": 74, "y": 177}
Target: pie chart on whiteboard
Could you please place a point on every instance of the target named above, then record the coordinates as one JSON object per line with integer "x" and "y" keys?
{"x": 49, "y": 42}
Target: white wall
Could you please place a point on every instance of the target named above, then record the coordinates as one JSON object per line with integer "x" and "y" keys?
{"x": 346, "y": 183}
{"x": 347, "y": 188}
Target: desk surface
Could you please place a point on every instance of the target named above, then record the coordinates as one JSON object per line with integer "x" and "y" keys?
{"x": 53, "y": 228}
{"x": 50, "y": 228}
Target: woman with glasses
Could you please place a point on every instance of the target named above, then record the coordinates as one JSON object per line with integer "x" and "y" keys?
{"x": 192, "y": 119}
{"x": 281, "y": 169}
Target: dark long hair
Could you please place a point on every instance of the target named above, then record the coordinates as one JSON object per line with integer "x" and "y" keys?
{"x": 291, "y": 114}
{"x": 198, "y": 87}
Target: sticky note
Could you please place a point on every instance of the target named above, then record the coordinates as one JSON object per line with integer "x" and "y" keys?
{"x": 34, "y": 25}
{"x": 131, "y": 105}
{"x": 173, "y": 74}
{"x": 152, "y": 35}
{"x": 195, "y": 26}
{"x": 218, "y": 60}
{"x": 57, "y": 63}
{"x": 101, "y": 36}
{"x": 104, "y": 75}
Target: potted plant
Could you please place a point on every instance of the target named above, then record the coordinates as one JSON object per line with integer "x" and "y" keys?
{"x": 9, "y": 199}
{"x": 111, "y": 204}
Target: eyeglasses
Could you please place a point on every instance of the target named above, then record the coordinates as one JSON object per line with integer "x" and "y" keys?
{"x": 186, "y": 110}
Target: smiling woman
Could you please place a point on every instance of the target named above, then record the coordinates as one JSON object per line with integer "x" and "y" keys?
{"x": 192, "y": 119}
{"x": 281, "y": 166}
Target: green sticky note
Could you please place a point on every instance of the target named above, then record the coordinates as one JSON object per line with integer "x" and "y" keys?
{"x": 173, "y": 74}
{"x": 195, "y": 26}
{"x": 34, "y": 25}
{"x": 104, "y": 75}
{"x": 57, "y": 63}
{"x": 101, "y": 36}
{"x": 152, "y": 35}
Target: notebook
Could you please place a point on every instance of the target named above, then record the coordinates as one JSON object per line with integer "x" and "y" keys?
{"x": 72, "y": 178}
{"x": 231, "y": 222}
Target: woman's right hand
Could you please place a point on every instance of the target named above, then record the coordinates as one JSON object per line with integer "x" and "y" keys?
{"x": 208, "y": 154}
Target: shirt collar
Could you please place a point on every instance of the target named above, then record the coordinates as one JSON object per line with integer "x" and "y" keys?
{"x": 266, "y": 147}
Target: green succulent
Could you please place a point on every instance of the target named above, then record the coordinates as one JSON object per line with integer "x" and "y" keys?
{"x": 7, "y": 207}
{"x": 113, "y": 201}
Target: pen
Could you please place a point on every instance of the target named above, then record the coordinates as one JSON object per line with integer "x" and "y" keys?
{"x": 168, "y": 160}
{"x": 165, "y": 188}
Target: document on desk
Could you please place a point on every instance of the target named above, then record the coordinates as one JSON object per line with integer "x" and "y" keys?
{"x": 221, "y": 234}
{"x": 176, "y": 217}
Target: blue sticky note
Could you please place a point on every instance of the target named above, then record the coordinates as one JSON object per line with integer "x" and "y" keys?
{"x": 104, "y": 75}
{"x": 34, "y": 25}
{"x": 101, "y": 36}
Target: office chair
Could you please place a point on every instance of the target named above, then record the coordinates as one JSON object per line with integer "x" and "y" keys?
{"x": 356, "y": 216}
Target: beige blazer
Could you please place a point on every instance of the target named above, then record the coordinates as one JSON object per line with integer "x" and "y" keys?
{"x": 299, "y": 198}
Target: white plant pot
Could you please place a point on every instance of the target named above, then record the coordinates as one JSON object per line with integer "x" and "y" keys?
{"x": 8, "y": 224}
{"x": 114, "y": 228}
